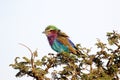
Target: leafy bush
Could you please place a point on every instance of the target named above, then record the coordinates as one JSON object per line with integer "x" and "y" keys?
{"x": 103, "y": 65}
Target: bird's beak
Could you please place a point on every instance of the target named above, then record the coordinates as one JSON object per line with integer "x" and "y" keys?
{"x": 43, "y": 32}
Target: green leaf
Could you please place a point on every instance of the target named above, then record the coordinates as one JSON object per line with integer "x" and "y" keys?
{"x": 26, "y": 59}
{"x": 38, "y": 63}
{"x": 35, "y": 53}
{"x": 44, "y": 58}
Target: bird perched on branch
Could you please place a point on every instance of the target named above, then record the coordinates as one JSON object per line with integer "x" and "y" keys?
{"x": 59, "y": 41}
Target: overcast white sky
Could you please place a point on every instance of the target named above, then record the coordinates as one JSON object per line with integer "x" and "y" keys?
{"x": 22, "y": 21}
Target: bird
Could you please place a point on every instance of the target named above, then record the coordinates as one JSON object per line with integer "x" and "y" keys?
{"x": 59, "y": 41}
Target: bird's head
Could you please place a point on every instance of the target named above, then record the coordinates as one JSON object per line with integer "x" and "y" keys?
{"x": 51, "y": 30}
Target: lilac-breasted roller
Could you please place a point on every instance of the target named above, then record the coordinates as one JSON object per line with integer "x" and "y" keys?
{"x": 59, "y": 41}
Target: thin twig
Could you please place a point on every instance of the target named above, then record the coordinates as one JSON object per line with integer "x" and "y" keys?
{"x": 32, "y": 59}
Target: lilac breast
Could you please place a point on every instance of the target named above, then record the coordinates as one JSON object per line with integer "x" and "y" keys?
{"x": 51, "y": 39}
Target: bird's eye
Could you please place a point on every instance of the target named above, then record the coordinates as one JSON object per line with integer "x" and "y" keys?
{"x": 51, "y": 30}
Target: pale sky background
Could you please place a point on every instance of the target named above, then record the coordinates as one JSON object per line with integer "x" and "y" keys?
{"x": 23, "y": 21}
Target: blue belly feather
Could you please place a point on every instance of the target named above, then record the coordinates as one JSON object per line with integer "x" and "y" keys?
{"x": 59, "y": 47}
